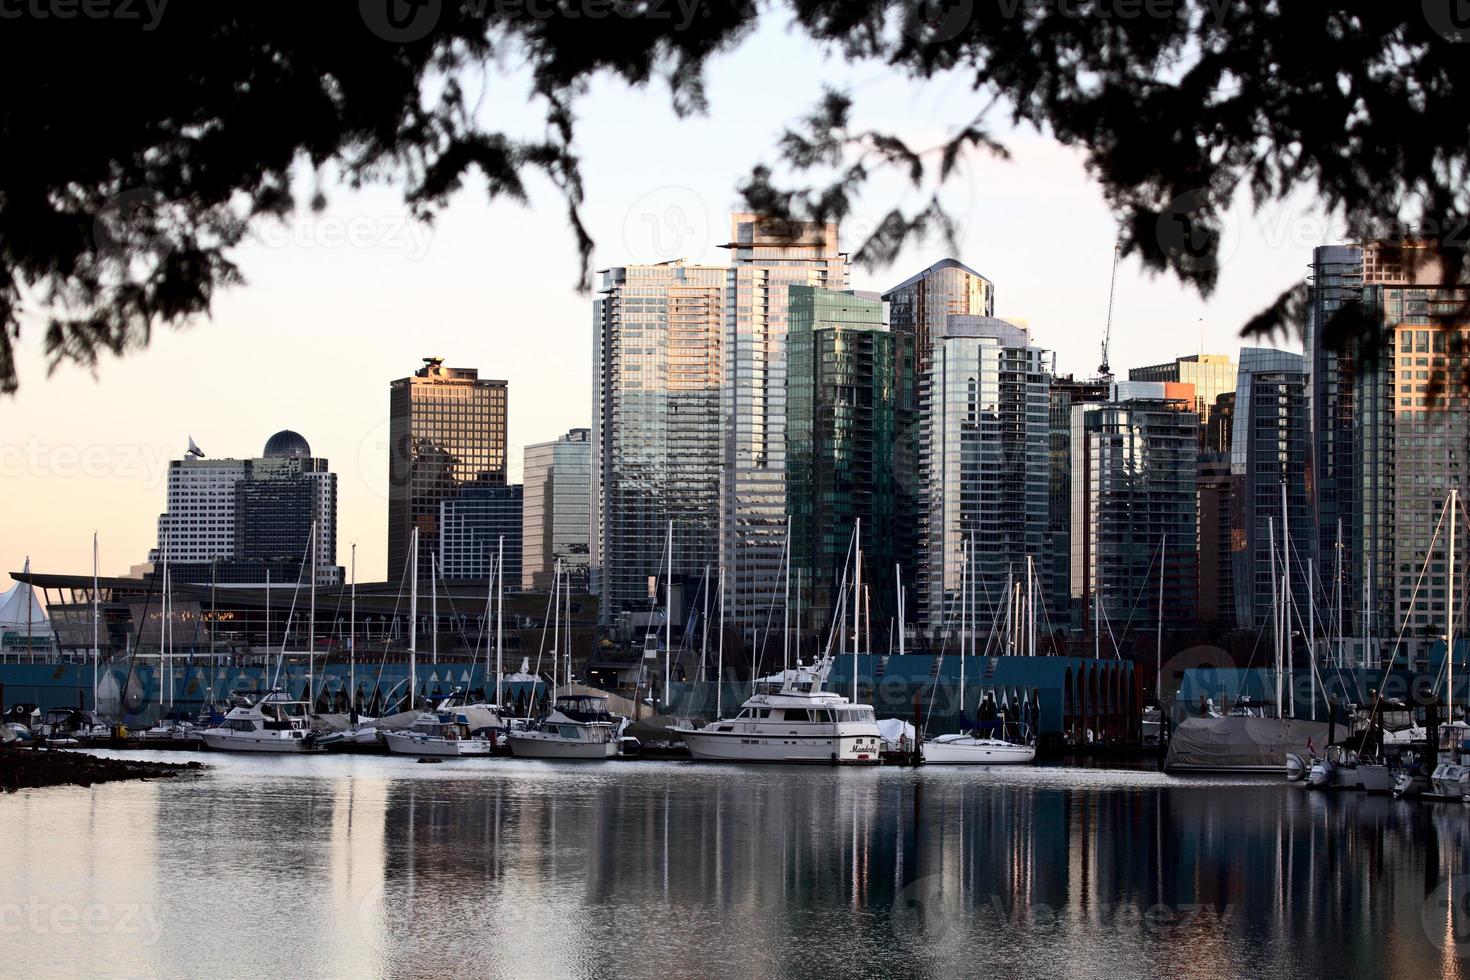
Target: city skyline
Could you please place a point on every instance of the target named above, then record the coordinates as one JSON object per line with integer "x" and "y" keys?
{"x": 404, "y": 291}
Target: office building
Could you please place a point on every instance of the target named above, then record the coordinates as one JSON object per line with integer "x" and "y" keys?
{"x": 1269, "y": 462}
{"x": 1216, "y": 561}
{"x": 921, "y": 304}
{"x": 236, "y": 519}
{"x": 1333, "y": 373}
{"x": 557, "y": 521}
{"x": 985, "y": 456}
{"x": 1066, "y": 393}
{"x": 1411, "y": 440}
{"x": 767, "y": 257}
{"x": 446, "y": 432}
{"x": 1211, "y": 374}
{"x": 850, "y": 409}
{"x": 656, "y": 437}
{"x": 1134, "y": 510}
{"x": 473, "y": 528}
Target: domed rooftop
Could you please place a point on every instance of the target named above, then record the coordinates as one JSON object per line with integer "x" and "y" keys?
{"x": 287, "y": 443}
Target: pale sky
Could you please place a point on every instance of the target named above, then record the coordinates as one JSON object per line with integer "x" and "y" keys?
{"x": 336, "y": 305}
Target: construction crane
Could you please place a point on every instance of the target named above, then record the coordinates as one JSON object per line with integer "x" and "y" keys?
{"x": 1105, "y": 372}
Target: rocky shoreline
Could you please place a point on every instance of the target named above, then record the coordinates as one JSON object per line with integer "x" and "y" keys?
{"x": 34, "y": 768}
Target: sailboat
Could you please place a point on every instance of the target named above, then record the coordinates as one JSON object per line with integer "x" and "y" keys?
{"x": 1246, "y": 742}
{"x": 970, "y": 747}
{"x": 796, "y": 720}
{"x": 1450, "y": 779}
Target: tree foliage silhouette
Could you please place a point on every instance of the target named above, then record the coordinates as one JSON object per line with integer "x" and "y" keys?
{"x": 140, "y": 148}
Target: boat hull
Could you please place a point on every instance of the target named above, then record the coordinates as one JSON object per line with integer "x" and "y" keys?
{"x": 257, "y": 743}
{"x": 524, "y": 745}
{"x": 1449, "y": 782}
{"x": 403, "y": 743}
{"x": 980, "y": 752}
{"x": 707, "y": 746}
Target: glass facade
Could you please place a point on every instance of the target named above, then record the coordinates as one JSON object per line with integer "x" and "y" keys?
{"x": 1336, "y": 279}
{"x": 1270, "y": 451}
{"x": 1056, "y": 562}
{"x": 658, "y": 365}
{"x": 920, "y": 304}
{"x": 472, "y": 526}
{"x": 767, "y": 258}
{"x": 1211, "y": 374}
{"x": 985, "y": 456}
{"x": 557, "y": 521}
{"x": 1412, "y": 444}
{"x": 1133, "y": 489}
{"x": 850, "y": 409}
{"x": 446, "y": 432}
{"x": 1216, "y": 569}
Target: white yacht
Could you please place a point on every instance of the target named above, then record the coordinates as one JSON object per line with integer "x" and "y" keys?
{"x": 275, "y": 723}
{"x": 972, "y": 750}
{"x": 578, "y": 727}
{"x": 795, "y": 722}
{"x": 437, "y": 735}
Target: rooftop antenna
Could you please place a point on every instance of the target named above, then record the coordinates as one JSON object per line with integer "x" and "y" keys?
{"x": 1104, "y": 371}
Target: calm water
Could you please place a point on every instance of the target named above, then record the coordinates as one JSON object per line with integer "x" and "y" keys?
{"x": 376, "y": 866}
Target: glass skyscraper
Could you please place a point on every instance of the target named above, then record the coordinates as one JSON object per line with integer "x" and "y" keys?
{"x": 850, "y": 409}
{"x": 767, "y": 257}
{"x": 472, "y": 528}
{"x": 1211, "y": 374}
{"x": 557, "y": 522}
{"x": 985, "y": 459}
{"x": 1270, "y": 450}
{"x": 1336, "y": 279}
{"x": 1133, "y": 491}
{"x": 920, "y": 304}
{"x": 1056, "y": 563}
{"x": 656, "y": 438}
{"x": 446, "y": 431}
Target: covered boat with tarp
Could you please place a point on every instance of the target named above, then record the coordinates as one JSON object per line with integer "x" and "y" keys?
{"x": 1241, "y": 743}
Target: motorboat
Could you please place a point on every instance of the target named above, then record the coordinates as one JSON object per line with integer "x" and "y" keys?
{"x": 72, "y": 728}
{"x": 1451, "y": 777}
{"x": 1341, "y": 768}
{"x": 577, "y": 727}
{"x": 794, "y": 722}
{"x": 275, "y": 723}
{"x": 437, "y": 735}
{"x": 1241, "y": 743}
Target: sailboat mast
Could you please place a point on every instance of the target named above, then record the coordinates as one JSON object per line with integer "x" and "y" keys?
{"x": 413, "y": 621}
{"x": 669, "y": 613}
{"x": 352, "y": 637}
{"x": 555, "y": 628}
{"x": 786, "y": 606}
{"x": 720, "y": 648}
{"x": 1159, "y": 631}
{"x": 1287, "y": 652}
{"x": 311, "y": 622}
{"x": 1450, "y": 609}
{"x": 1312, "y": 632}
{"x": 704, "y": 626}
{"x": 857, "y": 602}
{"x": 96, "y": 652}
{"x": 964, "y": 613}
{"x": 434, "y": 608}
{"x": 499, "y": 612}
{"x": 1275, "y": 609}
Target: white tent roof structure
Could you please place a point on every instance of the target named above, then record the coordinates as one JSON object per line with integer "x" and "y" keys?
{"x": 13, "y": 611}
